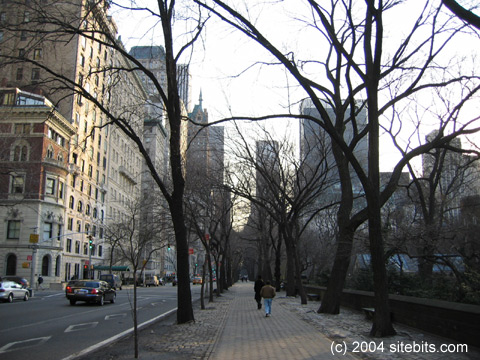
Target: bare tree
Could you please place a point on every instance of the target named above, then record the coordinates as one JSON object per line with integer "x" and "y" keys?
{"x": 466, "y": 15}
{"x": 136, "y": 241}
{"x": 283, "y": 196}
{"x": 362, "y": 72}
{"x": 63, "y": 27}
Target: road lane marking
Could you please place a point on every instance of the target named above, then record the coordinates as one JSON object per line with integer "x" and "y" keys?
{"x": 116, "y": 337}
{"x": 19, "y": 345}
{"x": 114, "y": 316}
{"x": 80, "y": 327}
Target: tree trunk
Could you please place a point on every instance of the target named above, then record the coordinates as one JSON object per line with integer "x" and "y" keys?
{"x": 290, "y": 288}
{"x": 278, "y": 262}
{"x": 332, "y": 298}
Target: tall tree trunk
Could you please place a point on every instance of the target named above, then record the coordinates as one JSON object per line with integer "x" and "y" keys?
{"x": 290, "y": 275}
{"x": 332, "y": 298}
{"x": 278, "y": 262}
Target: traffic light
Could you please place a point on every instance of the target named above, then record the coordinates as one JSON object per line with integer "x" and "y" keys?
{"x": 90, "y": 242}
{"x": 168, "y": 247}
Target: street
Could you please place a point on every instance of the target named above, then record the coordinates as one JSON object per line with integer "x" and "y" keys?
{"x": 48, "y": 327}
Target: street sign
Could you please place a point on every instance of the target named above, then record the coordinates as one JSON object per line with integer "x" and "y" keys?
{"x": 29, "y": 257}
{"x": 34, "y": 238}
{"x": 26, "y": 265}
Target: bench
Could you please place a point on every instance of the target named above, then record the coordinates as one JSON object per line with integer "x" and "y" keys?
{"x": 313, "y": 297}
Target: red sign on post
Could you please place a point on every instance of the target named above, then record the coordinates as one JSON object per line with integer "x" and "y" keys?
{"x": 190, "y": 251}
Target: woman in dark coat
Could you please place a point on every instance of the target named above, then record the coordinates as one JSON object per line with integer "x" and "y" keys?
{"x": 257, "y": 287}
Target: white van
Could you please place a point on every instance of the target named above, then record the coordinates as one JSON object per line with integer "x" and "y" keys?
{"x": 151, "y": 280}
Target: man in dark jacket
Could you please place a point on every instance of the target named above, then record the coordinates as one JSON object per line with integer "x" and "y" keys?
{"x": 268, "y": 293}
{"x": 257, "y": 287}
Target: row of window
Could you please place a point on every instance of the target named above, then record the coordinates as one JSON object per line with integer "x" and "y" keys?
{"x": 12, "y": 264}
{"x": 78, "y": 244}
{"x": 14, "y": 226}
{"x": 88, "y": 209}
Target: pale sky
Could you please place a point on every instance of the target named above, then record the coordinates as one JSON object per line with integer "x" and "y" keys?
{"x": 224, "y": 54}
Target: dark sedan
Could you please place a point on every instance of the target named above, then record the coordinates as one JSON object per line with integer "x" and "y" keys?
{"x": 91, "y": 291}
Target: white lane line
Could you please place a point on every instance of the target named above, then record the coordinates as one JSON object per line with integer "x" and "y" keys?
{"x": 80, "y": 327}
{"x": 19, "y": 345}
{"x": 116, "y": 337}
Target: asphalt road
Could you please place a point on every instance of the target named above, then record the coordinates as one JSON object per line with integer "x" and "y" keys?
{"x": 48, "y": 327}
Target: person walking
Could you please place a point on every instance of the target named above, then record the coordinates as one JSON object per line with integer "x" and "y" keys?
{"x": 40, "y": 282}
{"x": 259, "y": 284}
{"x": 268, "y": 293}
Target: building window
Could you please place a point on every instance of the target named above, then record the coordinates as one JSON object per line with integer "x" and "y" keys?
{"x": 47, "y": 231}
{"x": 35, "y": 74}
{"x": 50, "y": 186}
{"x": 80, "y": 206}
{"x": 19, "y": 74}
{"x": 77, "y": 247}
{"x": 61, "y": 189}
{"x": 100, "y": 250}
{"x": 71, "y": 202}
{"x": 46, "y": 265}
{"x": 87, "y": 228}
{"x": 79, "y": 226}
{"x": 50, "y": 152}
{"x": 37, "y": 54}
{"x": 60, "y": 231}
{"x": 20, "y": 153}
{"x": 85, "y": 249}
{"x": 18, "y": 184}
{"x": 69, "y": 245}
{"x": 11, "y": 265}
{"x": 13, "y": 229}
{"x": 58, "y": 263}
{"x": 70, "y": 224}
{"x": 87, "y": 210}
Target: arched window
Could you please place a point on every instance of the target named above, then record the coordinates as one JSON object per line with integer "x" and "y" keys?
{"x": 24, "y": 153}
{"x": 87, "y": 210}
{"x": 45, "y": 265}
{"x": 50, "y": 152}
{"x": 79, "y": 206}
{"x": 57, "y": 265}
{"x": 71, "y": 202}
{"x": 11, "y": 265}
{"x": 95, "y": 211}
{"x": 19, "y": 151}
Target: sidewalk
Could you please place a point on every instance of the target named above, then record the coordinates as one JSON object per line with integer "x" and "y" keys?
{"x": 248, "y": 334}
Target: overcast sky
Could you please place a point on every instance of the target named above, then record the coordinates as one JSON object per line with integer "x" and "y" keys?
{"x": 220, "y": 61}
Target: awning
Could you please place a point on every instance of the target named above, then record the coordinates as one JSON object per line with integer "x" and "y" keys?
{"x": 114, "y": 268}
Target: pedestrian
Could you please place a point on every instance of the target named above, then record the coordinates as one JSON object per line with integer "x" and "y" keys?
{"x": 258, "y": 287}
{"x": 40, "y": 282}
{"x": 268, "y": 293}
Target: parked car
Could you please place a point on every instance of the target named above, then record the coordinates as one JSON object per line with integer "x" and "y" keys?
{"x": 114, "y": 280}
{"x": 91, "y": 291}
{"x": 10, "y": 290}
{"x": 19, "y": 280}
{"x": 152, "y": 280}
{"x": 197, "y": 280}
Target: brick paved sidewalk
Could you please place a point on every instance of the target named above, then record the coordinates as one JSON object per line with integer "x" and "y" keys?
{"x": 248, "y": 334}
